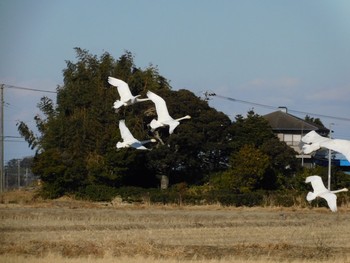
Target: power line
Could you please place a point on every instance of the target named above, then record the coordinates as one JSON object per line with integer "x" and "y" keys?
{"x": 12, "y": 136}
{"x": 321, "y": 115}
{"x": 29, "y": 89}
{"x": 15, "y": 141}
{"x": 245, "y": 102}
{"x": 212, "y": 94}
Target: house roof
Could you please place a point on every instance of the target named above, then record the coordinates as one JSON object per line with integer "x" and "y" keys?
{"x": 283, "y": 121}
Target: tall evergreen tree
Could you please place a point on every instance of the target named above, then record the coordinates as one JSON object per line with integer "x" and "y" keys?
{"x": 76, "y": 146}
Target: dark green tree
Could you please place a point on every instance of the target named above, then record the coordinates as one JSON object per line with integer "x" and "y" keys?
{"x": 76, "y": 145}
{"x": 198, "y": 147}
{"x": 252, "y": 129}
{"x": 249, "y": 168}
{"x": 316, "y": 121}
{"x": 259, "y": 160}
{"x": 76, "y": 150}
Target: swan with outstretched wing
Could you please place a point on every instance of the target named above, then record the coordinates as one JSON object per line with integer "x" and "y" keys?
{"x": 164, "y": 118}
{"x": 321, "y": 191}
{"x": 129, "y": 140}
{"x": 313, "y": 141}
{"x": 126, "y": 97}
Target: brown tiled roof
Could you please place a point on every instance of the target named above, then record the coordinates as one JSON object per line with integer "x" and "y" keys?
{"x": 282, "y": 121}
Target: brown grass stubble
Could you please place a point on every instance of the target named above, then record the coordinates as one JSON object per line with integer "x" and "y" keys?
{"x": 71, "y": 230}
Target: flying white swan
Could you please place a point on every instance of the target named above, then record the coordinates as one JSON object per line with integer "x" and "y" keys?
{"x": 129, "y": 140}
{"x": 321, "y": 191}
{"x": 314, "y": 141}
{"x": 163, "y": 115}
{"x": 126, "y": 98}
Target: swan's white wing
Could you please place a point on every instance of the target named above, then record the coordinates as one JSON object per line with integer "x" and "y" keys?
{"x": 117, "y": 104}
{"x": 309, "y": 148}
{"x": 338, "y": 145}
{"x": 172, "y": 126}
{"x": 331, "y": 200}
{"x": 313, "y": 137}
{"x": 138, "y": 146}
{"x": 317, "y": 184}
{"x": 129, "y": 140}
{"x": 125, "y": 132}
{"x": 123, "y": 88}
{"x": 161, "y": 108}
{"x": 347, "y": 154}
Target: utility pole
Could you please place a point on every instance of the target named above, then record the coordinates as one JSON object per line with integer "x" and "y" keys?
{"x": 329, "y": 157}
{"x": 19, "y": 173}
{"x": 2, "y": 172}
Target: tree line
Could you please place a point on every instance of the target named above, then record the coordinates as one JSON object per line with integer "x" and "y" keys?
{"x": 76, "y": 147}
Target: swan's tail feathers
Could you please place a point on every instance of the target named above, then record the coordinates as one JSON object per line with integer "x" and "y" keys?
{"x": 310, "y": 196}
{"x": 155, "y": 124}
{"x": 172, "y": 127}
{"x": 117, "y": 104}
{"x": 309, "y": 148}
{"x": 141, "y": 147}
{"x": 120, "y": 145}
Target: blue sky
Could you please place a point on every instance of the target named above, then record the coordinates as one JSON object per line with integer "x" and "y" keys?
{"x": 291, "y": 53}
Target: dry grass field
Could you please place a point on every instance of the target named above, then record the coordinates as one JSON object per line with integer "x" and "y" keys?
{"x": 67, "y": 230}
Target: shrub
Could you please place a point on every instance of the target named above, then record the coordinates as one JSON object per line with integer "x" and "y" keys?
{"x": 242, "y": 199}
{"x": 97, "y": 193}
{"x": 51, "y": 191}
{"x": 284, "y": 199}
{"x": 132, "y": 194}
{"x": 164, "y": 196}
{"x": 192, "y": 199}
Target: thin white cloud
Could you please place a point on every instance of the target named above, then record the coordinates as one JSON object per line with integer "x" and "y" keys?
{"x": 338, "y": 94}
{"x": 277, "y": 83}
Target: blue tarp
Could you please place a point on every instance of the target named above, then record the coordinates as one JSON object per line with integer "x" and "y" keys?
{"x": 344, "y": 162}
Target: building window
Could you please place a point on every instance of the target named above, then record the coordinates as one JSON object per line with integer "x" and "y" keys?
{"x": 280, "y": 136}
{"x": 288, "y": 139}
{"x": 296, "y": 139}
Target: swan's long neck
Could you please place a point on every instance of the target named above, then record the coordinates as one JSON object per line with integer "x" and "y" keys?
{"x": 140, "y": 100}
{"x": 184, "y": 118}
{"x": 341, "y": 190}
{"x": 147, "y": 141}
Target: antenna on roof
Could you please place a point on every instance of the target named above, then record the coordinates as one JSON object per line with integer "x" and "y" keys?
{"x": 283, "y": 109}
